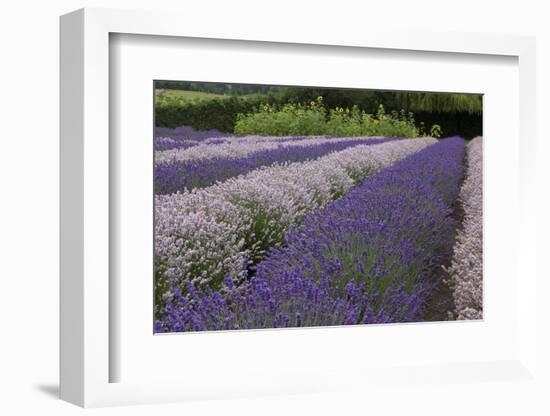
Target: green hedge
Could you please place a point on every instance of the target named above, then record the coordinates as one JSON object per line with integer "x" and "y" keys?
{"x": 202, "y": 113}
{"x": 221, "y": 113}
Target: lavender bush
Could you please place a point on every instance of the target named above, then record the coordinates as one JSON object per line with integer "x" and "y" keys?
{"x": 177, "y": 175}
{"x": 167, "y": 143}
{"x": 184, "y": 137}
{"x": 372, "y": 256}
{"x": 466, "y": 271}
{"x": 245, "y": 146}
{"x": 188, "y": 133}
{"x": 204, "y": 234}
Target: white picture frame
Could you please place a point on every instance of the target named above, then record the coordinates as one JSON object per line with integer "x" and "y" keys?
{"x": 85, "y": 353}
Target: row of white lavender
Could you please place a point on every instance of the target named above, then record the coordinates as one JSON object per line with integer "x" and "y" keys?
{"x": 244, "y": 146}
{"x": 203, "y": 235}
{"x": 255, "y": 138}
{"x": 466, "y": 270}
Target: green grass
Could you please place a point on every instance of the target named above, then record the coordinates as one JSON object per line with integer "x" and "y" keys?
{"x": 184, "y": 94}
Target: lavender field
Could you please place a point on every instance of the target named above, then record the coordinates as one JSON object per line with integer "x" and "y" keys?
{"x": 259, "y": 231}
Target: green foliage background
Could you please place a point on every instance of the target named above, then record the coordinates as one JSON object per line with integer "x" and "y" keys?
{"x": 314, "y": 119}
{"x": 457, "y": 114}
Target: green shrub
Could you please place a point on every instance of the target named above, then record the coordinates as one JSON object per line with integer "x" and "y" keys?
{"x": 436, "y": 131}
{"x": 288, "y": 120}
{"x": 265, "y": 115}
{"x": 198, "y": 105}
{"x": 314, "y": 119}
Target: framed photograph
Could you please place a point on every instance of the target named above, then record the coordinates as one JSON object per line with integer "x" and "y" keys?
{"x": 293, "y": 212}
{"x": 291, "y": 209}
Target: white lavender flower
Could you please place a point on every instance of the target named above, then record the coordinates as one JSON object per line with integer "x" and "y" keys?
{"x": 204, "y": 234}
{"x": 237, "y": 147}
{"x": 466, "y": 270}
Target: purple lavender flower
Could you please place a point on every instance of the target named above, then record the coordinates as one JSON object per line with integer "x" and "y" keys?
{"x": 188, "y": 133}
{"x": 176, "y": 175}
{"x": 184, "y": 137}
{"x": 370, "y": 257}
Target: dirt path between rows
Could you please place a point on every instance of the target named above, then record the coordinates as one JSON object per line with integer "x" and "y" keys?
{"x": 442, "y": 304}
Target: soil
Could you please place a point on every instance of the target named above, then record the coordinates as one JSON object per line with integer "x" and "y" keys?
{"x": 441, "y": 305}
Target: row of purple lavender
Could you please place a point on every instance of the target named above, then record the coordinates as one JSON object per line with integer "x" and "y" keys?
{"x": 203, "y": 234}
{"x": 188, "y": 133}
{"x": 184, "y": 137}
{"x": 176, "y": 175}
{"x": 371, "y": 256}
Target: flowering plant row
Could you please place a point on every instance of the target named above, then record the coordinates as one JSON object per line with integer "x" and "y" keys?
{"x": 177, "y": 175}
{"x": 371, "y": 256}
{"x": 466, "y": 271}
{"x": 189, "y": 133}
{"x": 204, "y": 234}
{"x": 238, "y": 147}
{"x": 183, "y": 137}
